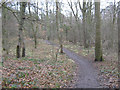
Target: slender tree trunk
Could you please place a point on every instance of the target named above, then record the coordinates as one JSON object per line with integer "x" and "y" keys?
{"x": 84, "y": 31}
{"x": 98, "y": 48}
{"x": 83, "y": 10}
{"x": 57, "y": 26}
{"x": 37, "y": 28}
{"x": 66, "y": 34}
{"x": 113, "y": 26}
{"x": 32, "y": 25}
{"x": 47, "y": 21}
{"x": 35, "y": 40}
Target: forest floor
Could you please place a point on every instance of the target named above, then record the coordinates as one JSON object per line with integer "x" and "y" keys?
{"x": 108, "y": 69}
{"x": 38, "y": 69}
{"x": 87, "y": 75}
{"x": 75, "y": 69}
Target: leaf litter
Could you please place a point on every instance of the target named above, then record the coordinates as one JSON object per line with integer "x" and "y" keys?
{"x": 38, "y": 69}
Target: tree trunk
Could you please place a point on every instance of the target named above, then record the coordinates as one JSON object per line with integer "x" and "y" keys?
{"x": 4, "y": 31}
{"x": 118, "y": 21}
{"x": 35, "y": 40}
{"x": 113, "y": 26}
{"x": 47, "y": 22}
{"x": 66, "y": 34}
{"x": 21, "y": 43}
{"x": 18, "y": 51}
{"x": 57, "y": 26}
{"x": 98, "y": 49}
{"x": 83, "y": 21}
{"x": 84, "y": 31}
{"x": 32, "y": 25}
{"x": 23, "y": 50}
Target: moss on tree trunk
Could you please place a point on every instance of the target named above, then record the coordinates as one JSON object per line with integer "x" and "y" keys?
{"x": 98, "y": 48}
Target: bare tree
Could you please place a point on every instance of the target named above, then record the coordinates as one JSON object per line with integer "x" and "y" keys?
{"x": 83, "y": 10}
{"x": 34, "y": 22}
{"x": 76, "y": 17}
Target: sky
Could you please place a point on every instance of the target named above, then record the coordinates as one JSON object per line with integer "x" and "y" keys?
{"x": 104, "y": 3}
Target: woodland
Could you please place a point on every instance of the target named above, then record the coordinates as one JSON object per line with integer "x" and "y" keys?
{"x": 60, "y": 44}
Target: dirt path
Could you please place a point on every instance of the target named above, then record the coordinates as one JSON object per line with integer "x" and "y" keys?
{"x": 87, "y": 75}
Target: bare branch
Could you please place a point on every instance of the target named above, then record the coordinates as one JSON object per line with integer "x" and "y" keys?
{"x": 70, "y": 4}
{"x": 80, "y": 5}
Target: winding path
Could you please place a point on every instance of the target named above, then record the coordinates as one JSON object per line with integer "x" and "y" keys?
{"x": 87, "y": 75}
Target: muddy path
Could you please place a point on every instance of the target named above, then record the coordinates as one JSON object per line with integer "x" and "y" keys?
{"x": 87, "y": 75}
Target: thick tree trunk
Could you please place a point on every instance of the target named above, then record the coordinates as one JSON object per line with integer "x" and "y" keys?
{"x": 98, "y": 48}
{"x": 118, "y": 21}
{"x": 21, "y": 43}
{"x": 4, "y": 31}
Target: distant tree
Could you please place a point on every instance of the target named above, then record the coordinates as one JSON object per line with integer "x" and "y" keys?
{"x": 113, "y": 24}
{"x": 34, "y": 22}
{"x": 83, "y": 10}
{"x": 57, "y": 27}
{"x": 98, "y": 48}
{"x": 76, "y": 17}
{"x": 47, "y": 21}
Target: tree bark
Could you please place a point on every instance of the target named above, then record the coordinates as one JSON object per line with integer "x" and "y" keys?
{"x": 98, "y": 49}
{"x": 4, "y": 31}
{"x": 118, "y": 22}
{"x": 57, "y": 26}
{"x": 21, "y": 43}
{"x": 84, "y": 30}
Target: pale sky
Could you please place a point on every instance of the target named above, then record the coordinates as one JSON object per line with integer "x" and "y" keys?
{"x": 104, "y": 3}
